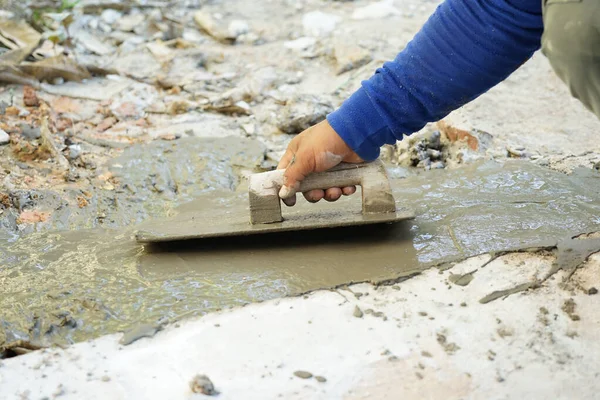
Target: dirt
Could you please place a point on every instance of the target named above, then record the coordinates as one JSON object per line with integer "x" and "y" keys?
{"x": 568, "y": 308}
{"x": 448, "y": 347}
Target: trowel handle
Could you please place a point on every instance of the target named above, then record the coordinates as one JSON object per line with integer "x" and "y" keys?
{"x": 265, "y": 205}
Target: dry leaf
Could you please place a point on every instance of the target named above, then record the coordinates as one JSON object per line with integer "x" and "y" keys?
{"x": 65, "y": 105}
{"x": 11, "y": 74}
{"x": 32, "y": 217}
{"x": 215, "y": 29}
{"x": 18, "y": 36}
{"x": 56, "y": 67}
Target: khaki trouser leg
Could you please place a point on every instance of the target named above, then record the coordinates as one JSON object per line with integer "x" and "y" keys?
{"x": 571, "y": 42}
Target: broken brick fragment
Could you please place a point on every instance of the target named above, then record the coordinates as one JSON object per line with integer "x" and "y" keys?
{"x": 30, "y": 98}
{"x": 454, "y": 135}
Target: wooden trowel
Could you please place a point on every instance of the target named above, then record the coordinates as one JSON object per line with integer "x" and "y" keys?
{"x": 264, "y": 212}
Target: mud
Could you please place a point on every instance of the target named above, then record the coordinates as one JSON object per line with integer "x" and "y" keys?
{"x": 62, "y": 287}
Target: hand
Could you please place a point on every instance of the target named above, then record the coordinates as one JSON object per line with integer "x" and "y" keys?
{"x": 317, "y": 149}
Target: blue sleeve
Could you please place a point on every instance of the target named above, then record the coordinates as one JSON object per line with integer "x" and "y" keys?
{"x": 465, "y": 48}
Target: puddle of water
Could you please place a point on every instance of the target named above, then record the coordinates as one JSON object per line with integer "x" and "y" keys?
{"x": 63, "y": 287}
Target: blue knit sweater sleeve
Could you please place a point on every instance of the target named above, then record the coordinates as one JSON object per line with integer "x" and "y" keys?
{"x": 465, "y": 48}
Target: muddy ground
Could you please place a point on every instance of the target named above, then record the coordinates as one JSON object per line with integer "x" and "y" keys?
{"x": 148, "y": 106}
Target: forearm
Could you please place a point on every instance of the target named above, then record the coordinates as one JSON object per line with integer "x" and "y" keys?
{"x": 464, "y": 49}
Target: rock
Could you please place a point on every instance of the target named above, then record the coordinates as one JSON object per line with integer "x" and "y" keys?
{"x": 320, "y": 379}
{"x": 303, "y": 374}
{"x": 237, "y": 28}
{"x": 74, "y": 151}
{"x": 30, "y": 132}
{"x": 4, "y": 138}
{"x": 592, "y": 291}
{"x": 30, "y": 98}
{"x": 455, "y": 135}
{"x": 516, "y": 152}
{"x": 202, "y": 384}
{"x": 357, "y": 312}
{"x": 318, "y": 23}
{"x": 129, "y": 22}
{"x": 349, "y": 57}
{"x": 214, "y": 28}
{"x": 302, "y": 112}
{"x": 110, "y": 16}
{"x": 381, "y": 9}
{"x": 302, "y": 43}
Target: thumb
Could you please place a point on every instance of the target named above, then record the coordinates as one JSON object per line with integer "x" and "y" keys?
{"x": 301, "y": 165}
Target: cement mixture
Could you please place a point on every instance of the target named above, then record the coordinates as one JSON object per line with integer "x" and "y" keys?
{"x": 72, "y": 286}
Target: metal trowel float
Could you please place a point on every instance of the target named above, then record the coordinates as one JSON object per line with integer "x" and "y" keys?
{"x": 264, "y": 212}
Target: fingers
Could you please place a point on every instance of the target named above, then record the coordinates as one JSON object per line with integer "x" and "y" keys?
{"x": 288, "y": 156}
{"x": 332, "y": 194}
{"x": 290, "y": 201}
{"x": 314, "y": 195}
{"x": 348, "y": 190}
{"x": 301, "y": 165}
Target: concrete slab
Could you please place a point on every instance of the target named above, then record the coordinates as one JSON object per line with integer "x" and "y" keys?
{"x": 424, "y": 338}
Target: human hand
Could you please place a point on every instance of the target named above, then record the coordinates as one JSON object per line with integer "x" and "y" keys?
{"x": 317, "y": 149}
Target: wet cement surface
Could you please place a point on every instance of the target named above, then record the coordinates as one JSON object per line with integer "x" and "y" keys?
{"x": 70, "y": 286}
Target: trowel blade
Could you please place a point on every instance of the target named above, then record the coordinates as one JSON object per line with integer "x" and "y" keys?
{"x": 224, "y": 223}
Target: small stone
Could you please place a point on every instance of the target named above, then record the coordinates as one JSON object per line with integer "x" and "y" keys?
{"x": 422, "y": 313}
{"x": 302, "y": 112}
{"x": 426, "y": 354}
{"x": 30, "y": 98}
{"x": 320, "y": 379}
{"x": 110, "y": 16}
{"x": 302, "y": 43}
{"x": 318, "y": 23}
{"x": 379, "y": 10}
{"x": 590, "y": 291}
{"x": 357, "y": 312}
{"x": 303, "y": 374}
{"x": 4, "y": 138}
{"x": 105, "y": 378}
{"x": 237, "y": 28}
{"x": 30, "y": 132}
{"x": 202, "y": 384}
{"x": 74, "y": 151}
{"x": 130, "y": 22}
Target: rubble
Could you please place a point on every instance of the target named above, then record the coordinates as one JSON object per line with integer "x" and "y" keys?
{"x": 318, "y": 23}
{"x": 4, "y": 138}
{"x": 302, "y": 112}
{"x": 378, "y": 10}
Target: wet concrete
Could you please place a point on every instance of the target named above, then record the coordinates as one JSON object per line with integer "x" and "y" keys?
{"x": 70, "y": 286}
{"x": 148, "y": 181}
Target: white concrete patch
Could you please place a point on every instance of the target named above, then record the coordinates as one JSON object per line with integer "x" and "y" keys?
{"x": 424, "y": 338}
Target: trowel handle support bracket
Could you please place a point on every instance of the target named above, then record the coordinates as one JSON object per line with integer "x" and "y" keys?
{"x": 265, "y": 204}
